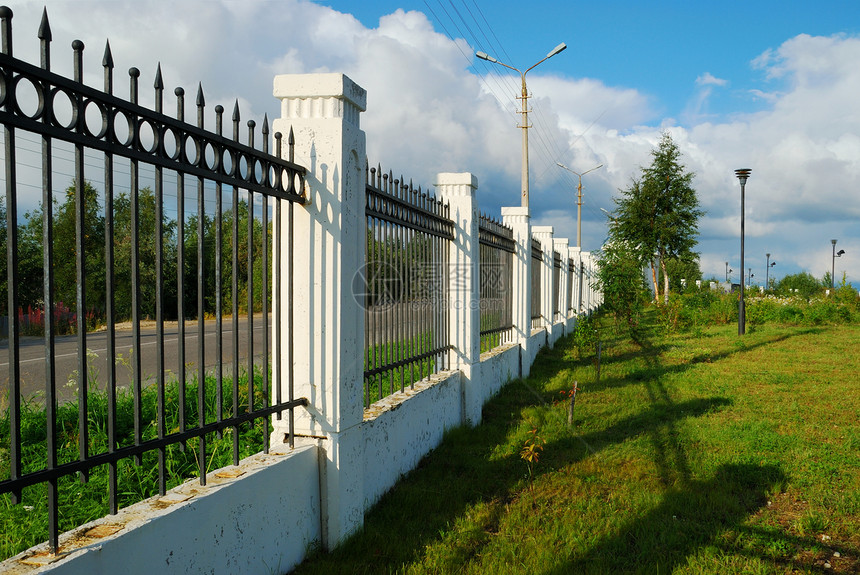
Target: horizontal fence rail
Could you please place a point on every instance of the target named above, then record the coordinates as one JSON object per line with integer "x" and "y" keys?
{"x": 537, "y": 267}
{"x": 181, "y": 231}
{"x": 497, "y": 248}
{"x": 405, "y": 285}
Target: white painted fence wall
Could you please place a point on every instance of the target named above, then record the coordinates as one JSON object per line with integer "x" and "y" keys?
{"x": 265, "y": 515}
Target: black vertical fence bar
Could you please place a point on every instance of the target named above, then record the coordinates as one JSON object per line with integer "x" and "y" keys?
{"x": 137, "y": 381}
{"x": 201, "y": 291}
{"x": 161, "y": 408}
{"x": 291, "y": 143}
{"x": 265, "y": 289}
{"x": 12, "y": 274}
{"x": 110, "y": 299}
{"x": 277, "y": 304}
{"x": 180, "y": 271}
{"x": 250, "y": 282}
{"x": 235, "y": 287}
{"x": 48, "y": 298}
{"x": 80, "y": 264}
{"x": 219, "y": 286}
{"x": 290, "y": 322}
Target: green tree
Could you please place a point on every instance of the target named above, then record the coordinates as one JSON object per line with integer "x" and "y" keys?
{"x": 657, "y": 216}
{"x": 190, "y": 241}
{"x": 65, "y": 249}
{"x": 146, "y": 218}
{"x": 683, "y": 269}
{"x": 804, "y": 282}
{"x": 619, "y": 277}
{"x": 30, "y": 261}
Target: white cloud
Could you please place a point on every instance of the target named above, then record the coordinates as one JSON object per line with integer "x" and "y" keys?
{"x": 708, "y": 79}
{"x": 429, "y": 112}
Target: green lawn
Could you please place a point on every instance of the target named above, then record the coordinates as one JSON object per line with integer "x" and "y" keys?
{"x": 706, "y": 454}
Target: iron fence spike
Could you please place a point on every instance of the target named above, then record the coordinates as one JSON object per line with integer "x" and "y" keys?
{"x": 159, "y": 81}
{"x": 236, "y": 111}
{"x": 45, "y": 27}
{"x": 107, "y": 59}
{"x": 201, "y": 101}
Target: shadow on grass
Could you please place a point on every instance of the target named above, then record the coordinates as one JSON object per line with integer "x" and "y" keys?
{"x": 688, "y": 518}
{"x": 654, "y": 369}
{"x": 467, "y": 476}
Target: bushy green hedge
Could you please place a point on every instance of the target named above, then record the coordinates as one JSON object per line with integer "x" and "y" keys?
{"x": 693, "y": 310}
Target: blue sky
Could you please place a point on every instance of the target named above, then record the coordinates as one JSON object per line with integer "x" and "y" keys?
{"x": 767, "y": 85}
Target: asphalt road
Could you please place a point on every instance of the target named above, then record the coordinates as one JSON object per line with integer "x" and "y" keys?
{"x": 32, "y": 355}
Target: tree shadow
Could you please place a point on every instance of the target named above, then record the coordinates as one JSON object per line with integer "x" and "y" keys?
{"x": 654, "y": 368}
{"x": 467, "y": 473}
{"x": 688, "y": 518}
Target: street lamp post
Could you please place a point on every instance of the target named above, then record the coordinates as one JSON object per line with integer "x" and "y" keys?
{"x": 728, "y": 271}
{"x": 742, "y": 175}
{"x": 578, "y": 199}
{"x": 768, "y": 264}
{"x": 525, "y": 113}
{"x": 833, "y": 264}
{"x": 750, "y": 277}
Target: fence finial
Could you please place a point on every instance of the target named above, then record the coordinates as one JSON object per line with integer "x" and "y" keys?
{"x": 45, "y": 27}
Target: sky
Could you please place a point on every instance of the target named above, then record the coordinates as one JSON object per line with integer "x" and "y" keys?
{"x": 767, "y": 85}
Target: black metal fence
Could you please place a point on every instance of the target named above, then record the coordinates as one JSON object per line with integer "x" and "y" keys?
{"x": 497, "y": 247}
{"x": 179, "y": 232}
{"x": 537, "y": 272}
{"x": 571, "y": 278}
{"x": 556, "y": 285}
{"x": 405, "y": 284}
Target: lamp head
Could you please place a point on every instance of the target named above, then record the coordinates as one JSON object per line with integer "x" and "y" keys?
{"x": 485, "y": 56}
{"x": 743, "y": 174}
{"x": 560, "y": 48}
{"x": 839, "y": 253}
{"x": 833, "y": 242}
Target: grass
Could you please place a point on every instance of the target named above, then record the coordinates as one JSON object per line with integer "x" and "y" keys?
{"x": 26, "y": 524}
{"x": 704, "y": 454}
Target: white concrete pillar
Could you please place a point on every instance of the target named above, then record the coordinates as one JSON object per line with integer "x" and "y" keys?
{"x": 464, "y": 285}
{"x": 543, "y": 234}
{"x": 517, "y": 218}
{"x": 328, "y": 251}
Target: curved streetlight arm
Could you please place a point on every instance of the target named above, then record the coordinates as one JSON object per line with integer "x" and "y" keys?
{"x": 560, "y": 48}
{"x": 488, "y": 58}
